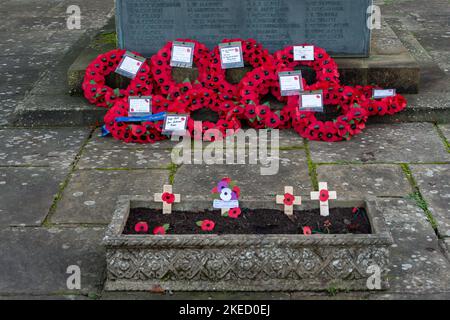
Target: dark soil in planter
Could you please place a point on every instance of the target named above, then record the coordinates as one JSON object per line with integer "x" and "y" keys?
{"x": 261, "y": 221}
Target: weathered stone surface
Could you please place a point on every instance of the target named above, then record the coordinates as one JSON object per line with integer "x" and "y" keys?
{"x": 40, "y": 147}
{"x": 360, "y": 181}
{"x": 445, "y": 128}
{"x": 434, "y": 184}
{"x": 20, "y": 71}
{"x": 26, "y": 194}
{"x": 7, "y": 104}
{"x": 196, "y": 181}
{"x": 397, "y": 143}
{"x": 287, "y": 139}
{"x": 417, "y": 264}
{"x": 144, "y": 157}
{"x": 91, "y": 195}
{"x": 35, "y": 260}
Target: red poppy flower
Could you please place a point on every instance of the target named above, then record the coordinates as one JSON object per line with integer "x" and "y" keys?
{"x": 289, "y": 199}
{"x": 141, "y": 227}
{"x": 168, "y": 197}
{"x": 324, "y": 195}
{"x": 226, "y": 179}
{"x": 206, "y": 225}
{"x": 237, "y": 190}
{"x": 307, "y": 231}
{"x": 161, "y": 230}
{"x": 273, "y": 121}
{"x": 234, "y": 213}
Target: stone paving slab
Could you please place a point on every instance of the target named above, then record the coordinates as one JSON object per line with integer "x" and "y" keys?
{"x": 145, "y": 157}
{"x": 7, "y": 104}
{"x": 417, "y": 263}
{"x": 195, "y": 296}
{"x": 26, "y": 194}
{"x": 359, "y": 181}
{"x": 91, "y": 195}
{"x": 434, "y": 185}
{"x": 287, "y": 139}
{"x": 196, "y": 181}
{"x": 388, "y": 143}
{"x": 40, "y": 147}
{"x": 35, "y": 260}
{"x": 19, "y": 72}
{"x": 43, "y": 297}
{"x": 445, "y": 128}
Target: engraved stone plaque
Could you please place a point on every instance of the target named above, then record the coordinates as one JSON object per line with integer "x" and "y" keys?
{"x": 339, "y": 26}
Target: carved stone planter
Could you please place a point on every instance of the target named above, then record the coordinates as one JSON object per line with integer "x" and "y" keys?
{"x": 244, "y": 262}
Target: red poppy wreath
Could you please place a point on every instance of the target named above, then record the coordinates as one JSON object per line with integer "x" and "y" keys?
{"x": 324, "y": 66}
{"x": 162, "y": 71}
{"x": 383, "y": 106}
{"x": 253, "y": 53}
{"x": 255, "y": 85}
{"x": 94, "y": 84}
{"x": 197, "y": 99}
{"x": 351, "y": 122}
{"x": 144, "y": 132}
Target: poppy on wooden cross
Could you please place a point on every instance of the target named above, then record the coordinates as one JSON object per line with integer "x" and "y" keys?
{"x": 324, "y": 195}
{"x": 289, "y": 200}
{"x": 167, "y": 198}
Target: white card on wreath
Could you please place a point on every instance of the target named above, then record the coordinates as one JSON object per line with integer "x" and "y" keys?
{"x": 130, "y": 65}
{"x": 175, "y": 124}
{"x": 303, "y": 53}
{"x": 231, "y": 55}
{"x": 311, "y": 101}
{"x": 383, "y": 93}
{"x": 290, "y": 83}
{"x": 140, "y": 106}
{"x": 182, "y": 54}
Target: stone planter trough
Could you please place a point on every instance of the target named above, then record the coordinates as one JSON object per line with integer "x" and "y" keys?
{"x": 244, "y": 262}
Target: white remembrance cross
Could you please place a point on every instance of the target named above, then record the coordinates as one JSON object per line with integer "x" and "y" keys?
{"x": 324, "y": 194}
{"x": 167, "y": 207}
{"x": 289, "y": 209}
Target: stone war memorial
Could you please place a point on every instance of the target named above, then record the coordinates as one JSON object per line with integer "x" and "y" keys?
{"x": 227, "y": 149}
{"x": 338, "y": 26}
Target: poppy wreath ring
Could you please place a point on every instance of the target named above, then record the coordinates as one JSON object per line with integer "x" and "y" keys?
{"x": 253, "y": 53}
{"x": 255, "y": 85}
{"x": 94, "y": 84}
{"x": 145, "y": 132}
{"x": 197, "y": 99}
{"x": 162, "y": 71}
{"x": 383, "y": 106}
{"x": 324, "y": 66}
{"x": 351, "y": 122}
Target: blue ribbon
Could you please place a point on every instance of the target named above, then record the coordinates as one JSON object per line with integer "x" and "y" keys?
{"x": 152, "y": 117}
{"x": 105, "y": 132}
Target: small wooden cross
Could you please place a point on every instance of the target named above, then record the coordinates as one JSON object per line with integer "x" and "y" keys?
{"x": 324, "y": 194}
{"x": 167, "y": 207}
{"x": 289, "y": 209}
